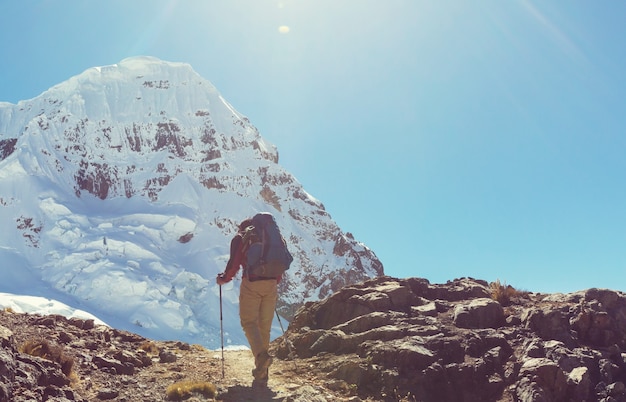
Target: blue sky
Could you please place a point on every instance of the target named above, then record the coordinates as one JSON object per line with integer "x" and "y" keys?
{"x": 454, "y": 138}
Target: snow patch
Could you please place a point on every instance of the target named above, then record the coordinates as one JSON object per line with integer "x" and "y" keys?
{"x": 43, "y": 306}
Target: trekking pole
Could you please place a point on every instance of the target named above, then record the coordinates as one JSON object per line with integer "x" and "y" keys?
{"x": 222, "y": 330}
{"x": 291, "y": 354}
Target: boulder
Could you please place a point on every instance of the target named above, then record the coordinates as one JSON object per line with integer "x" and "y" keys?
{"x": 541, "y": 380}
{"x": 479, "y": 313}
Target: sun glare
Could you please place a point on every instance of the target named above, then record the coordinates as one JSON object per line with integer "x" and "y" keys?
{"x": 283, "y": 29}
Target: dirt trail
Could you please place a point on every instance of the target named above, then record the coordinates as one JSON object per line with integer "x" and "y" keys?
{"x": 288, "y": 380}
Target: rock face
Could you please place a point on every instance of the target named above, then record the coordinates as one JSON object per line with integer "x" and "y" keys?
{"x": 389, "y": 339}
{"x": 44, "y": 372}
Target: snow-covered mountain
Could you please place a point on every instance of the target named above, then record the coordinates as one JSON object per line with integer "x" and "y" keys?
{"x": 121, "y": 187}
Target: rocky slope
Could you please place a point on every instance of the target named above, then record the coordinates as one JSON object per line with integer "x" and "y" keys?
{"x": 84, "y": 362}
{"x": 389, "y": 339}
{"x": 386, "y": 339}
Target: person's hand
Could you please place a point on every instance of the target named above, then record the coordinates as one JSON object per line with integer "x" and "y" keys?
{"x": 221, "y": 280}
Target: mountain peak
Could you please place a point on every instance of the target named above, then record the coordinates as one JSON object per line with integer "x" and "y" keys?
{"x": 138, "y": 85}
{"x": 124, "y": 185}
{"x": 146, "y": 66}
{"x": 142, "y": 60}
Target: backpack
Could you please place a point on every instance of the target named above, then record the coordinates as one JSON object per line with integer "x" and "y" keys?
{"x": 265, "y": 250}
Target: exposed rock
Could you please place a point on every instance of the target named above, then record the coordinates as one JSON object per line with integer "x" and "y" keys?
{"x": 167, "y": 357}
{"x": 479, "y": 313}
{"x": 25, "y": 378}
{"x": 114, "y": 365}
{"x": 407, "y": 339}
{"x": 541, "y": 379}
{"x": 107, "y": 394}
{"x": 7, "y": 147}
{"x": 386, "y": 339}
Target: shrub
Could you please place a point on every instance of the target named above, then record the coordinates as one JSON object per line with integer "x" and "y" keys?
{"x": 183, "y": 390}
{"x": 150, "y": 348}
{"x": 42, "y": 348}
{"x": 503, "y": 293}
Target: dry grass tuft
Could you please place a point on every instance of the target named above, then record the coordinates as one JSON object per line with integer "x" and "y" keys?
{"x": 185, "y": 389}
{"x": 503, "y": 293}
{"x": 42, "y": 348}
{"x": 198, "y": 348}
{"x": 150, "y": 348}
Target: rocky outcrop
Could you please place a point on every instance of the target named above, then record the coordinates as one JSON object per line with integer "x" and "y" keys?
{"x": 53, "y": 358}
{"x": 389, "y": 339}
{"x": 40, "y": 368}
{"x": 24, "y": 377}
{"x": 7, "y": 147}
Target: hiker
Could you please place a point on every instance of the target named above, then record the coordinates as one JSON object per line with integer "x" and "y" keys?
{"x": 257, "y": 297}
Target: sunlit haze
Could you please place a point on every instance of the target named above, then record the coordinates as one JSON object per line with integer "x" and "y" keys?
{"x": 453, "y": 138}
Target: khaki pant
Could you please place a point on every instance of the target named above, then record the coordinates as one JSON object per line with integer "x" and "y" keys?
{"x": 257, "y": 301}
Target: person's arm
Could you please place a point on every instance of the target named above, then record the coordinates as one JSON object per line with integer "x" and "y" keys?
{"x": 234, "y": 262}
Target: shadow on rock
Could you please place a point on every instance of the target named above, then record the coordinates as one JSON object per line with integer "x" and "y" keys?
{"x": 242, "y": 393}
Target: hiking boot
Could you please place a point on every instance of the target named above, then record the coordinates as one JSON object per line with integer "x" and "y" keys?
{"x": 259, "y": 384}
{"x": 263, "y": 361}
{"x": 260, "y": 374}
